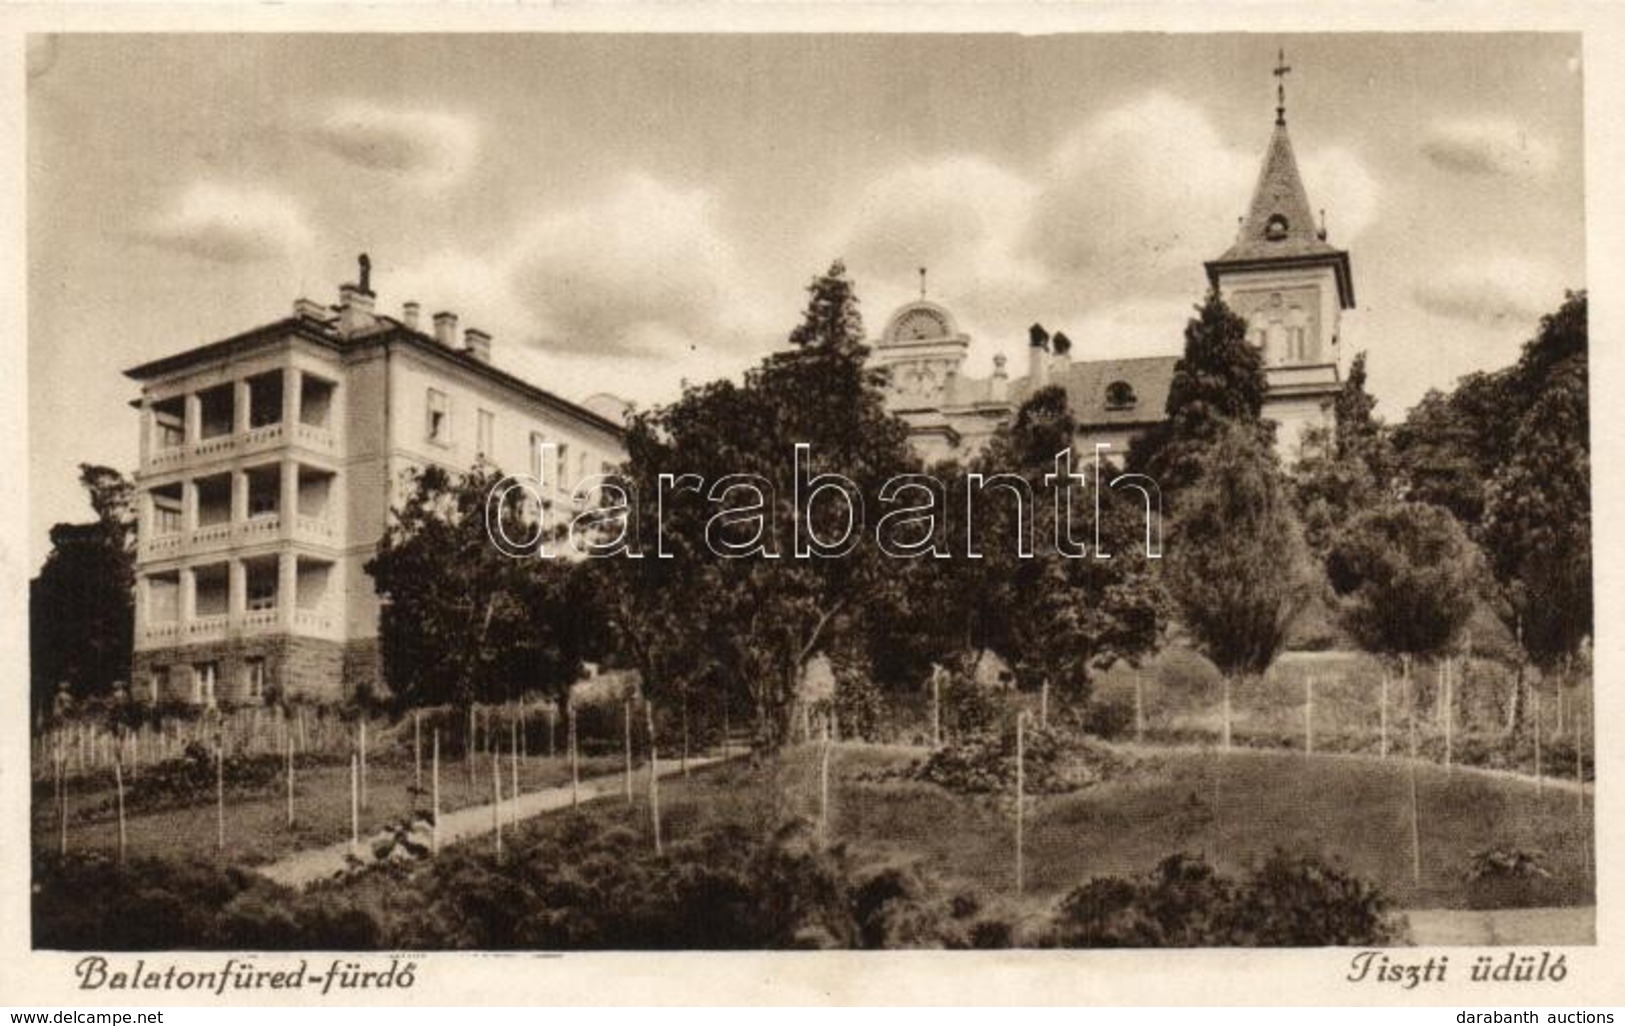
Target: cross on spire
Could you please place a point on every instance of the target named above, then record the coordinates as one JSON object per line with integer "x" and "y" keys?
{"x": 1280, "y": 73}
{"x": 922, "y": 283}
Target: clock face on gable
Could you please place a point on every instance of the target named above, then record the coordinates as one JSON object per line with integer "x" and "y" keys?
{"x": 920, "y": 324}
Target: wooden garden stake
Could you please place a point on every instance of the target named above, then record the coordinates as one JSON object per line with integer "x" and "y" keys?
{"x": 1043, "y": 704}
{"x": 552, "y": 743}
{"x": 513, "y": 765}
{"x": 290, "y": 781}
{"x": 626, "y": 733}
{"x": 1227, "y": 712}
{"x": 823, "y": 792}
{"x": 654, "y": 775}
{"x": 468, "y": 748}
{"x": 363, "y": 764}
{"x": 1384, "y": 715}
{"x": 417, "y": 750}
{"x": 1449, "y": 716}
{"x": 936, "y": 706}
{"x": 1021, "y": 788}
{"x": 355, "y": 803}
{"x": 1139, "y": 708}
{"x": 220, "y": 795}
{"x": 118, "y": 782}
{"x": 1309, "y": 715}
{"x": 1416, "y": 816}
{"x": 62, "y": 801}
{"x": 683, "y": 759}
{"x": 1579, "y": 764}
{"x": 496, "y": 798}
{"x": 575, "y": 763}
{"x": 1540, "y": 780}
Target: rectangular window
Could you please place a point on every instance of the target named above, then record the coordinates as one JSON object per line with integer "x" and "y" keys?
{"x": 439, "y": 426}
{"x": 538, "y": 451}
{"x": 203, "y": 680}
{"x": 562, "y": 466}
{"x": 261, "y": 589}
{"x": 488, "y": 430}
{"x": 166, "y": 515}
{"x": 254, "y": 679}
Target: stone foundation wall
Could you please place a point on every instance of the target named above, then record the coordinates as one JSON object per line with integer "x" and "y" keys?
{"x": 364, "y": 668}
{"x": 310, "y": 669}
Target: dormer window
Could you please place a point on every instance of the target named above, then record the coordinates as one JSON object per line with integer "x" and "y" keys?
{"x": 1120, "y": 396}
{"x": 1275, "y": 229}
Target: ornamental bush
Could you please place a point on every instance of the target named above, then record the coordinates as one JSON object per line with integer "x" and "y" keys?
{"x": 1286, "y": 901}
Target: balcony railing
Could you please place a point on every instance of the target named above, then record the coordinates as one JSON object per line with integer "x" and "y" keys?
{"x": 316, "y": 621}
{"x": 207, "y": 628}
{"x": 263, "y": 527}
{"x": 321, "y": 622}
{"x": 260, "y": 526}
{"x": 158, "y": 633}
{"x": 266, "y": 436}
{"x": 257, "y": 621}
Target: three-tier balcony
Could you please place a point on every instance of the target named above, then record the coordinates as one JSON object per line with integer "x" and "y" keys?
{"x": 256, "y": 414}
{"x": 277, "y": 593}
{"x": 280, "y": 500}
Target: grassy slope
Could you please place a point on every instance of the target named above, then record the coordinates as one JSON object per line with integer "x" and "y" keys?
{"x": 1352, "y": 810}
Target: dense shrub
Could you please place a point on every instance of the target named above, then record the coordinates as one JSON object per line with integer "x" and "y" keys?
{"x": 859, "y": 705}
{"x": 190, "y": 780}
{"x": 1288, "y": 901}
{"x": 898, "y": 907}
{"x": 91, "y": 902}
{"x": 1507, "y": 878}
{"x": 1109, "y": 718}
{"x": 583, "y": 888}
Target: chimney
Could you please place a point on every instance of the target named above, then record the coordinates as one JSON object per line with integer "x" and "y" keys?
{"x": 355, "y": 310}
{"x": 445, "y": 329}
{"x": 309, "y": 310}
{"x": 409, "y": 313}
{"x": 477, "y": 344}
{"x": 1037, "y": 358}
{"x": 1063, "y": 352}
{"x": 999, "y": 388}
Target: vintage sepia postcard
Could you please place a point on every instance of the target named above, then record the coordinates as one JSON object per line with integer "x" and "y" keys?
{"x": 1020, "y": 504}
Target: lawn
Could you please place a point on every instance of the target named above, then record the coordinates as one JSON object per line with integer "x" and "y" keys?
{"x": 1234, "y": 809}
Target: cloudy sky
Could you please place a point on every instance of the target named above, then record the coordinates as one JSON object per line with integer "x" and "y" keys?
{"x": 625, "y": 212}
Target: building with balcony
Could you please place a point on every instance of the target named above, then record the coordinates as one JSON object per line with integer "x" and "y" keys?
{"x": 269, "y": 464}
{"x": 1281, "y": 274}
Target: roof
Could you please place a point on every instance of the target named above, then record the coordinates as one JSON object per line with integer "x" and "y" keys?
{"x": 1088, "y": 384}
{"x": 389, "y": 331}
{"x": 1279, "y": 197}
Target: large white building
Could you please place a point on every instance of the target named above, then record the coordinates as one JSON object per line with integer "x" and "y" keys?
{"x": 269, "y": 463}
{"x": 1281, "y": 274}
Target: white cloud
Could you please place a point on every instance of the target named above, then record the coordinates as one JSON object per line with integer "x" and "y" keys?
{"x": 1105, "y": 241}
{"x": 640, "y": 270}
{"x": 426, "y": 148}
{"x": 1501, "y": 289}
{"x": 1140, "y": 196}
{"x": 1339, "y": 184}
{"x": 960, "y": 217}
{"x": 1489, "y": 147}
{"x": 229, "y": 224}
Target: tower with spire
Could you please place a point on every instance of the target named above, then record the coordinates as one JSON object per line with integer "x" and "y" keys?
{"x": 1291, "y": 285}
